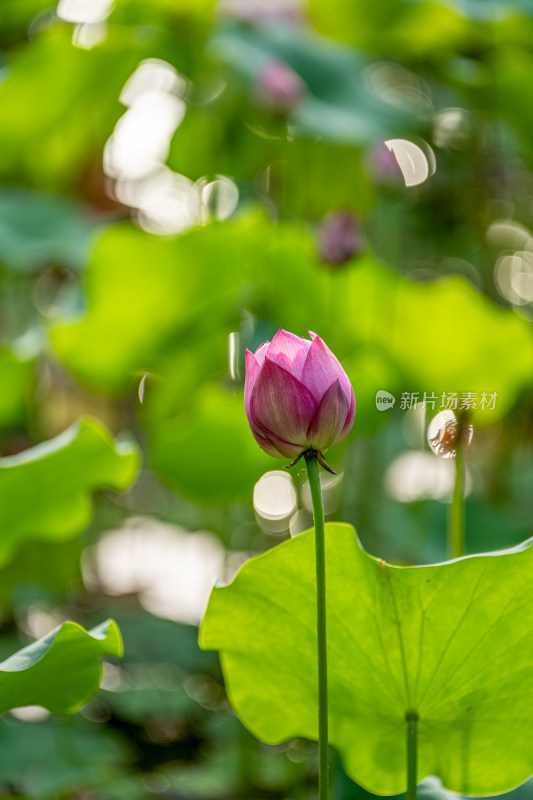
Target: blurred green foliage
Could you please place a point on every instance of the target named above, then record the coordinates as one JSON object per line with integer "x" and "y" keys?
{"x": 48, "y": 486}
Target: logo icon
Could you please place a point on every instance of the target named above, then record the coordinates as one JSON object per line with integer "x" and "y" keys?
{"x": 384, "y": 400}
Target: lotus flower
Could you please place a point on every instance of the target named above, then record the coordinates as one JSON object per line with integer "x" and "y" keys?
{"x": 339, "y": 238}
{"x": 297, "y": 396}
{"x": 279, "y": 88}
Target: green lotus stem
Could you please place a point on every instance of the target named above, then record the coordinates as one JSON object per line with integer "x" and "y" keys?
{"x": 412, "y": 752}
{"x": 320, "y": 556}
{"x": 456, "y": 522}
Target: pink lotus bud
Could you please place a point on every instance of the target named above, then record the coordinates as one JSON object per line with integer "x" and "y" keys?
{"x": 339, "y": 238}
{"x": 279, "y": 88}
{"x": 297, "y": 396}
{"x": 383, "y": 166}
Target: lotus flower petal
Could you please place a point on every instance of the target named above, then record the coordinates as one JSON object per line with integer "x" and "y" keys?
{"x": 264, "y": 443}
{"x": 261, "y": 352}
{"x": 281, "y": 404}
{"x": 252, "y": 371}
{"x": 322, "y": 369}
{"x": 289, "y": 351}
{"x": 329, "y": 418}
{"x": 283, "y": 448}
{"x": 349, "y": 419}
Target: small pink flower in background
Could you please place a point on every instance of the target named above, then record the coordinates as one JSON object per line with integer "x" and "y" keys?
{"x": 383, "y": 166}
{"x": 263, "y": 11}
{"x": 339, "y": 238}
{"x": 278, "y": 87}
{"x": 297, "y": 396}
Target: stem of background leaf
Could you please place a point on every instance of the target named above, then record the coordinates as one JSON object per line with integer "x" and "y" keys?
{"x": 245, "y": 775}
{"x": 412, "y": 747}
{"x": 456, "y": 519}
{"x": 320, "y": 555}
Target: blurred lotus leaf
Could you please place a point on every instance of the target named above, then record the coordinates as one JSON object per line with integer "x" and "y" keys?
{"x": 437, "y": 640}
{"x": 49, "y": 485}
{"x": 403, "y": 27}
{"x": 41, "y": 572}
{"x": 434, "y": 337}
{"x": 58, "y": 757}
{"x": 60, "y": 671}
{"x": 207, "y": 450}
{"x": 147, "y": 295}
{"x": 437, "y": 336}
{"x": 335, "y": 101}
{"x": 16, "y": 383}
{"x": 444, "y": 335}
{"x": 50, "y": 139}
{"x": 164, "y": 641}
{"x": 38, "y": 229}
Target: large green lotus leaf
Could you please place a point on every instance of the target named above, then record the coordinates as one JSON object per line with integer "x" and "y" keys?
{"x": 207, "y": 450}
{"x": 452, "y": 642}
{"x": 61, "y": 671}
{"x": 46, "y": 489}
{"x": 146, "y": 294}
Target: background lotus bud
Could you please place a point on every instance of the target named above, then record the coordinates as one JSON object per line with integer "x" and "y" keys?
{"x": 262, "y": 11}
{"x": 297, "y": 396}
{"x": 339, "y": 238}
{"x": 278, "y": 87}
{"x": 383, "y": 166}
